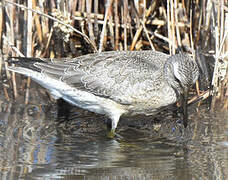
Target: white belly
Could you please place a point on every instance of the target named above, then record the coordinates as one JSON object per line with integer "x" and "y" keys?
{"x": 82, "y": 99}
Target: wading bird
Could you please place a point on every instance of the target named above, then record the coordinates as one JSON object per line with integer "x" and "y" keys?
{"x": 115, "y": 83}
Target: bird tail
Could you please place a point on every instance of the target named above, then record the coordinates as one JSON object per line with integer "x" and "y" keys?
{"x": 24, "y": 66}
{"x": 23, "y": 63}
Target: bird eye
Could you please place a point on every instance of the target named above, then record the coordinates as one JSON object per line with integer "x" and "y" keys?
{"x": 177, "y": 80}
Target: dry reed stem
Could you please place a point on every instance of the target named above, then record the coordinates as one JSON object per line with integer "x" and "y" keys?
{"x": 6, "y": 64}
{"x": 225, "y": 83}
{"x": 162, "y": 37}
{"x": 84, "y": 15}
{"x": 139, "y": 30}
{"x": 96, "y": 27}
{"x": 169, "y": 28}
{"x": 17, "y": 51}
{"x": 222, "y": 21}
{"x": 145, "y": 29}
{"x": 223, "y": 4}
{"x": 216, "y": 68}
{"x": 147, "y": 35}
{"x": 73, "y": 7}
{"x": 200, "y": 98}
{"x": 13, "y": 47}
{"x": 48, "y": 42}
{"x": 6, "y": 93}
{"x": 125, "y": 16}
{"x": 111, "y": 30}
{"x": 57, "y": 20}
{"x": 103, "y": 32}
{"x": 29, "y": 44}
{"x": 37, "y": 23}
{"x": 222, "y": 44}
{"x": 219, "y": 70}
{"x": 155, "y": 22}
{"x": 192, "y": 47}
{"x": 176, "y": 25}
{"x": 172, "y": 27}
{"x": 199, "y": 27}
{"x": 82, "y": 23}
{"x": 135, "y": 39}
{"x": 88, "y": 9}
{"x": 1, "y": 58}
{"x": 117, "y": 23}
{"x": 29, "y": 30}
{"x": 11, "y": 14}
{"x": 1, "y": 21}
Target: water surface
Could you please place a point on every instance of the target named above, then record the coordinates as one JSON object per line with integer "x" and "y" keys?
{"x": 32, "y": 146}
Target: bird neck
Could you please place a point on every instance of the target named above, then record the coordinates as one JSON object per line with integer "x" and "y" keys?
{"x": 171, "y": 79}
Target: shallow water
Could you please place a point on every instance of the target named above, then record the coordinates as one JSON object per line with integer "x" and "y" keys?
{"x": 33, "y": 147}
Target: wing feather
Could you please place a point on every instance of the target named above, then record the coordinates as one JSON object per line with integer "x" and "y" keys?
{"x": 118, "y": 75}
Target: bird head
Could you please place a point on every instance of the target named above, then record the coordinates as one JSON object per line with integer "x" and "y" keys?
{"x": 181, "y": 72}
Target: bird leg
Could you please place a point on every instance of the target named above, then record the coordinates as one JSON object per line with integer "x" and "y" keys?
{"x": 114, "y": 122}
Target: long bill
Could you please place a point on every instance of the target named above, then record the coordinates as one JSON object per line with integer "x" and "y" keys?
{"x": 184, "y": 104}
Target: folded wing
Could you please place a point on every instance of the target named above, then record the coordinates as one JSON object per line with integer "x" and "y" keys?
{"x": 123, "y": 76}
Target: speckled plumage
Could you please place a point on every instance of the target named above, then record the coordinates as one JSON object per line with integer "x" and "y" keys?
{"x": 116, "y": 82}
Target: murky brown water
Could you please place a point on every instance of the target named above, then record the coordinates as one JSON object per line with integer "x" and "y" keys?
{"x": 33, "y": 147}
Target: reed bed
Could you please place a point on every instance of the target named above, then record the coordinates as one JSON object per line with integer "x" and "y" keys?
{"x": 54, "y": 29}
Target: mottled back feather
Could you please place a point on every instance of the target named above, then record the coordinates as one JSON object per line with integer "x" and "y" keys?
{"x": 111, "y": 74}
